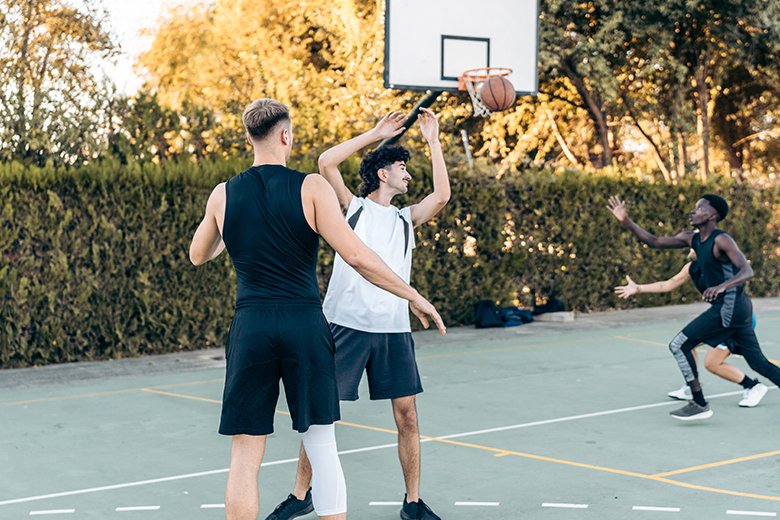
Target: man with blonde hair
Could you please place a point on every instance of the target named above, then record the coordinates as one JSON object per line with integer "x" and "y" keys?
{"x": 270, "y": 218}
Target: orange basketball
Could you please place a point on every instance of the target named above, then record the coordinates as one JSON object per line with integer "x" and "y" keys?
{"x": 497, "y": 93}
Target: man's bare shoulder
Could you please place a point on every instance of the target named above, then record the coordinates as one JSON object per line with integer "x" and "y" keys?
{"x": 315, "y": 185}
{"x": 218, "y": 194}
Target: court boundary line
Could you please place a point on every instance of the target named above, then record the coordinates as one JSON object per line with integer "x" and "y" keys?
{"x": 448, "y": 439}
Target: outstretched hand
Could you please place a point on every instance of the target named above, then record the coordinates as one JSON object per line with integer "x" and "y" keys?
{"x": 429, "y": 124}
{"x": 391, "y": 125}
{"x": 628, "y": 290}
{"x": 618, "y": 208}
{"x": 423, "y": 309}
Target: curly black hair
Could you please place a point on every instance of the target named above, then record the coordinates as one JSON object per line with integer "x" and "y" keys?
{"x": 376, "y": 160}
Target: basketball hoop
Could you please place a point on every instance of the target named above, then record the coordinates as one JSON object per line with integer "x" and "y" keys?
{"x": 471, "y": 80}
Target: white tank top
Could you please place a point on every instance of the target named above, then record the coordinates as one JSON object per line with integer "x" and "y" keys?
{"x": 353, "y": 302}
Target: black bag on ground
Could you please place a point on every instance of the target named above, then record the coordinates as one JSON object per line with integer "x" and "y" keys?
{"x": 514, "y": 316}
{"x": 487, "y": 315}
{"x": 553, "y": 305}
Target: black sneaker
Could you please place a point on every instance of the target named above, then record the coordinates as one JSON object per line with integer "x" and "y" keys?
{"x": 417, "y": 511}
{"x": 292, "y": 508}
{"x": 692, "y": 412}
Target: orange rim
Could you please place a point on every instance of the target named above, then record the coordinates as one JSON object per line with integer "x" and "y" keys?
{"x": 480, "y": 74}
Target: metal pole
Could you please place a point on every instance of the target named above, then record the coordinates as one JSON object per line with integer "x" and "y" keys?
{"x": 465, "y": 136}
{"x": 425, "y": 102}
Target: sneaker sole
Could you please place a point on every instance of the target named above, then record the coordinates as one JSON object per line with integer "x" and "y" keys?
{"x": 679, "y": 398}
{"x": 697, "y": 417}
{"x": 303, "y": 512}
{"x": 744, "y": 404}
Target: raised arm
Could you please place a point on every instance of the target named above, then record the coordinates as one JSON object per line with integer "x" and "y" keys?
{"x": 328, "y": 163}
{"x": 619, "y": 210}
{"x": 632, "y": 288}
{"x": 330, "y": 224}
{"x": 207, "y": 242}
{"x": 427, "y": 208}
{"x": 726, "y": 245}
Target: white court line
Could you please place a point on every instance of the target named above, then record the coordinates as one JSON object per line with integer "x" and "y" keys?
{"x": 212, "y": 506}
{"x": 358, "y": 450}
{"x": 172, "y": 478}
{"x": 565, "y": 506}
{"x": 478, "y": 504}
{"x": 53, "y": 512}
{"x": 137, "y": 508}
{"x": 654, "y": 508}
{"x": 385, "y": 503}
{"x": 581, "y": 416}
{"x": 750, "y": 513}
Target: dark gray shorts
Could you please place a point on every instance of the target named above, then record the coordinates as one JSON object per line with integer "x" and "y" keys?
{"x": 387, "y": 358}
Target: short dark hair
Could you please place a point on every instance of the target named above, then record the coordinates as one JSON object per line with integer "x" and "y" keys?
{"x": 262, "y": 115}
{"x": 719, "y": 203}
{"x": 375, "y": 161}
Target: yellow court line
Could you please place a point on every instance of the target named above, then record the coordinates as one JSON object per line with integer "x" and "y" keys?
{"x": 637, "y": 340}
{"x": 499, "y": 452}
{"x": 102, "y": 394}
{"x": 502, "y": 452}
{"x": 190, "y": 383}
{"x": 215, "y": 401}
{"x": 181, "y": 396}
{"x": 716, "y": 490}
{"x": 69, "y": 397}
{"x": 720, "y": 463}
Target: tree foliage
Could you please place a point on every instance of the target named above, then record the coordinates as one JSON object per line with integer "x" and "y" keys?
{"x": 93, "y": 260}
{"x": 52, "y": 97}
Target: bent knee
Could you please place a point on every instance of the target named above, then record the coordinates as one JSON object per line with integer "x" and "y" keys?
{"x": 677, "y": 343}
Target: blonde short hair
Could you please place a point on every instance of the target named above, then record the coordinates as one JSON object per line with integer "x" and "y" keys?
{"x": 262, "y": 115}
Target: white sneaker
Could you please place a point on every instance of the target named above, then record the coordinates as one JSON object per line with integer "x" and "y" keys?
{"x": 683, "y": 394}
{"x": 753, "y": 396}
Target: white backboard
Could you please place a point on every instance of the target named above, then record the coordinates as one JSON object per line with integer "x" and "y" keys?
{"x": 429, "y": 43}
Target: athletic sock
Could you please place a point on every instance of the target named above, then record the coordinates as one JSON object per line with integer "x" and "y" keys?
{"x": 698, "y": 398}
{"x": 748, "y": 383}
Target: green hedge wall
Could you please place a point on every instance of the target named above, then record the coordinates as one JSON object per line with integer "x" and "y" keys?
{"x": 93, "y": 262}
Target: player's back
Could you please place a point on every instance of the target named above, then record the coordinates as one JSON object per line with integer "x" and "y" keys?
{"x": 272, "y": 246}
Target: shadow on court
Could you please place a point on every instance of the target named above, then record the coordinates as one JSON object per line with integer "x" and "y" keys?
{"x": 547, "y": 420}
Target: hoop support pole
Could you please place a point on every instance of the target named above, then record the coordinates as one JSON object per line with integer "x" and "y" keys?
{"x": 425, "y": 102}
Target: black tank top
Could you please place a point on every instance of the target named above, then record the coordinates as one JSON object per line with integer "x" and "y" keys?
{"x": 714, "y": 271}
{"x": 694, "y": 271}
{"x": 273, "y": 248}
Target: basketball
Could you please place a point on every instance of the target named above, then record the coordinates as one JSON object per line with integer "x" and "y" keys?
{"x": 497, "y": 93}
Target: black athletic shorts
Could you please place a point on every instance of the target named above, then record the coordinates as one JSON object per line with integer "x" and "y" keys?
{"x": 291, "y": 342}
{"x": 387, "y": 358}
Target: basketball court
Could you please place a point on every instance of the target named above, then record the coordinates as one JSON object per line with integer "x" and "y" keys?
{"x": 547, "y": 420}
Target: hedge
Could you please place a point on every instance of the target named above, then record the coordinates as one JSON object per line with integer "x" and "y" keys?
{"x": 93, "y": 261}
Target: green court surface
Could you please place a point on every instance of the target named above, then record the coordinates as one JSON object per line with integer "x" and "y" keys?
{"x": 547, "y": 420}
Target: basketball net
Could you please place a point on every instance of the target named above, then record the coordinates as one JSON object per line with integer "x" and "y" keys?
{"x": 471, "y": 81}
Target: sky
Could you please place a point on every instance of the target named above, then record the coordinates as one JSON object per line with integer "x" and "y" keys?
{"x": 127, "y": 19}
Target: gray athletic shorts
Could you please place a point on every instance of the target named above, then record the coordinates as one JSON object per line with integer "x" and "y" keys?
{"x": 387, "y": 358}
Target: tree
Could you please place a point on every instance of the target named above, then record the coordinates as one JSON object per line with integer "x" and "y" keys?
{"x": 52, "y": 97}
{"x": 323, "y": 60}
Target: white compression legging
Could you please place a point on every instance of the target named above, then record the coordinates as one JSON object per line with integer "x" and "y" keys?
{"x": 328, "y": 489}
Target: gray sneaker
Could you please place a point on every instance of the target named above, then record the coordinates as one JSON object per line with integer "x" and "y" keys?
{"x": 692, "y": 412}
